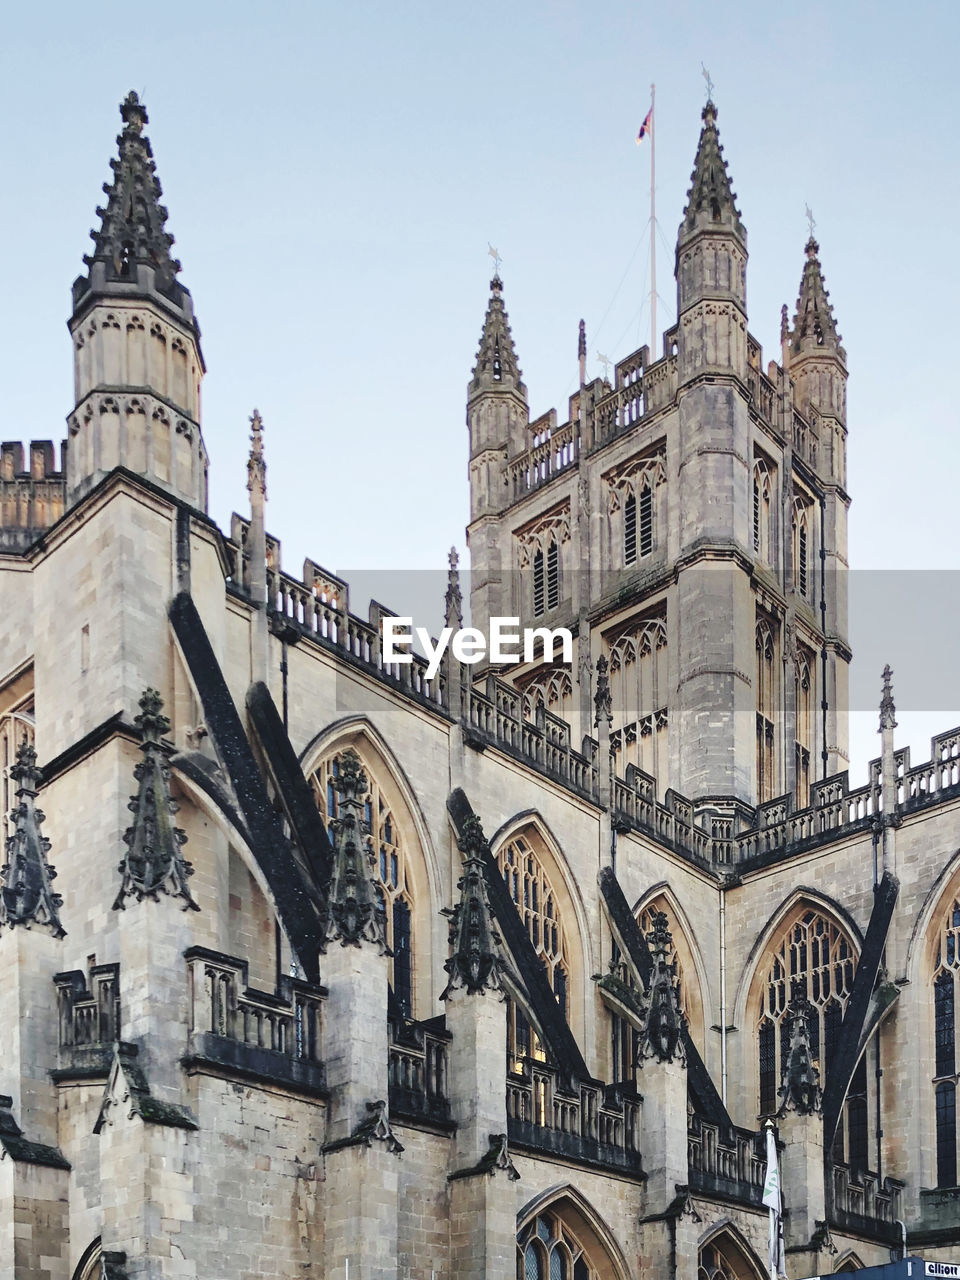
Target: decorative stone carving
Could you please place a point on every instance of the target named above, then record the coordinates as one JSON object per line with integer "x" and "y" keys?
{"x": 602, "y": 698}
{"x": 888, "y": 710}
{"x": 376, "y": 1128}
{"x": 661, "y": 1037}
{"x": 496, "y": 1159}
{"x": 26, "y": 893}
{"x": 453, "y": 600}
{"x": 256, "y": 463}
{"x": 475, "y": 964}
{"x": 154, "y": 863}
{"x": 127, "y": 1088}
{"x": 354, "y": 913}
{"x": 800, "y": 1089}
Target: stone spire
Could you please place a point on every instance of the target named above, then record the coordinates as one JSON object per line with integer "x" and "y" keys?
{"x": 711, "y": 202}
{"x": 132, "y": 229}
{"x": 661, "y": 1036}
{"x": 800, "y": 1087}
{"x": 26, "y": 895}
{"x": 814, "y": 328}
{"x": 154, "y": 863}
{"x": 354, "y": 911}
{"x": 475, "y": 964}
{"x": 453, "y": 600}
{"x": 496, "y": 368}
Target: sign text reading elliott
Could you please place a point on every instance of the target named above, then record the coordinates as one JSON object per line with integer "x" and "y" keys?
{"x": 470, "y": 645}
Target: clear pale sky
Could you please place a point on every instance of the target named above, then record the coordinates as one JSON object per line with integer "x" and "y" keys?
{"x": 334, "y": 173}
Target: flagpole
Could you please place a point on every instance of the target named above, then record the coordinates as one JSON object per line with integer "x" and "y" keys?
{"x": 653, "y": 227}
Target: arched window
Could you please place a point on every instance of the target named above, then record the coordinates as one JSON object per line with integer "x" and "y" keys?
{"x": 551, "y": 689}
{"x": 945, "y": 1041}
{"x": 630, "y": 530}
{"x": 646, "y": 518}
{"x": 536, "y": 902}
{"x": 803, "y": 687}
{"x": 390, "y": 858}
{"x": 539, "y": 586}
{"x": 553, "y": 576}
{"x": 802, "y": 548}
{"x": 547, "y": 1249}
{"x": 722, "y": 1258}
{"x": 762, "y": 487}
{"x": 766, "y": 710}
{"x": 816, "y": 951}
{"x": 639, "y": 687}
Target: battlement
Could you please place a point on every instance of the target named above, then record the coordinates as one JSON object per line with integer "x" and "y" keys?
{"x": 32, "y": 491}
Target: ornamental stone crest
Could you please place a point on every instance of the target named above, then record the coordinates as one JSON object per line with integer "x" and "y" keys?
{"x": 475, "y": 964}
{"x": 26, "y": 893}
{"x": 154, "y": 863}
{"x": 354, "y": 911}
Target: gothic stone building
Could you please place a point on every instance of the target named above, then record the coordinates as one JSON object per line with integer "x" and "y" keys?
{"x": 501, "y": 972}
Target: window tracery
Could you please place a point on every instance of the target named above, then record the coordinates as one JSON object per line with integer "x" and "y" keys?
{"x": 817, "y": 952}
{"x": 766, "y": 709}
{"x": 547, "y": 1249}
{"x": 534, "y": 896}
{"x": 392, "y": 865}
{"x": 632, "y": 503}
{"x": 639, "y": 692}
{"x": 945, "y": 1053}
{"x": 762, "y": 509}
{"x": 803, "y": 687}
{"x": 722, "y": 1259}
{"x": 539, "y": 550}
{"x": 552, "y": 690}
{"x": 802, "y": 547}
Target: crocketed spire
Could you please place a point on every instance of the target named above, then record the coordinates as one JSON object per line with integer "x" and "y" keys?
{"x": 711, "y": 203}
{"x": 154, "y": 863}
{"x": 496, "y": 368}
{"x": 256, "y": 462}
{"x": 475, "y": 964}
{"x": 354, "y": 912}
{"x": 26, "y": 895}
{"x": 132, "y": 224}
{"x": 800, "y": 1088}
{"x": 662, "y": 1034}
{"x": 814, "y": 327}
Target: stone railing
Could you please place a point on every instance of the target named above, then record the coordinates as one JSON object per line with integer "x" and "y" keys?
{"x": 596, "y": 1124}
{"x": 495, "y": 718}
{"x": 730, "y": 1162}
{"x": 273, "y": 1037}
{"x": 861, "y": 1200}
{"x": 553, "y": 450}
{"x": 418, "y": 1070}
{"x": 763, "y": 393}
{"x": 89, "y": 1018}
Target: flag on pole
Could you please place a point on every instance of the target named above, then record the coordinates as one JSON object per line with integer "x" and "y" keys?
{"x": 772, "y": 1199}
{"x": 646, "y": 127}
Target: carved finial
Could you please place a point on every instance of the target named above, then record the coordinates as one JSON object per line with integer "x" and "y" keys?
{"x": 582, "y": 352}
{"x": 475, "y": 964}
{"x": 662, "y": 1034}
{"x": 602, "y": 698}
{"x": 154, "y": 863}
{"x": 132, "y": 225}
{"x": 453, "y": 613}
{"x": 256, "y": 463}
{"x": 354, "y": 910}
{"x": 800, "y": 1088}
{"x": 26, "y": 895}
{"x": 784, "y": 323}
{"x": 888, "y": 710}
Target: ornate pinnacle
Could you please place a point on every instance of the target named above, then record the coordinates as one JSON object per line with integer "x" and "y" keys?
{"x": 662, "y": 1034}
{"x": 496, "y": 367}
{"x": 582, "y": 342}
{"x": 26, "y": 895}
{"x": 888, "y": 711}
{"x": 256, "y": 463}
{"x": 154, "y": 863}
{"x": 475, "y": 964}
{"x": 814, "y": 326}
{"x": 602, "y": 698}
{"x": 453, "y": 613}
{"x": 800, "y": 1088}
{"x": 132, "y": 223}
{"x": 711, "y": 202}
{"x": 354, "y": 911}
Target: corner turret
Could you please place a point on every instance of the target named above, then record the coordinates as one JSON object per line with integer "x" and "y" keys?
{"x": 137, "y": 359}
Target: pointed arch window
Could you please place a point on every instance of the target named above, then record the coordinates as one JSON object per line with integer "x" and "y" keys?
{"x": 534, "y": 897}
{"x": 390, "y": 859}
{"x": 551, "y": 690}
{"x": 547, "y": 1249}
{"x": 766, "y": 710}
{"x": 553, "y": 576}
{"x": 539, "y": 585}
{"x": 803, "y": 689}
{"x": 762, "y": 506}
{"x": 802, "y": 549}
{"x": 639, "y": 690}
{"x": 646, "y": 519}
{"x": 945, "y": 1041}
{"x": 817, "y": 952}
{"x": 630, "y": 530}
